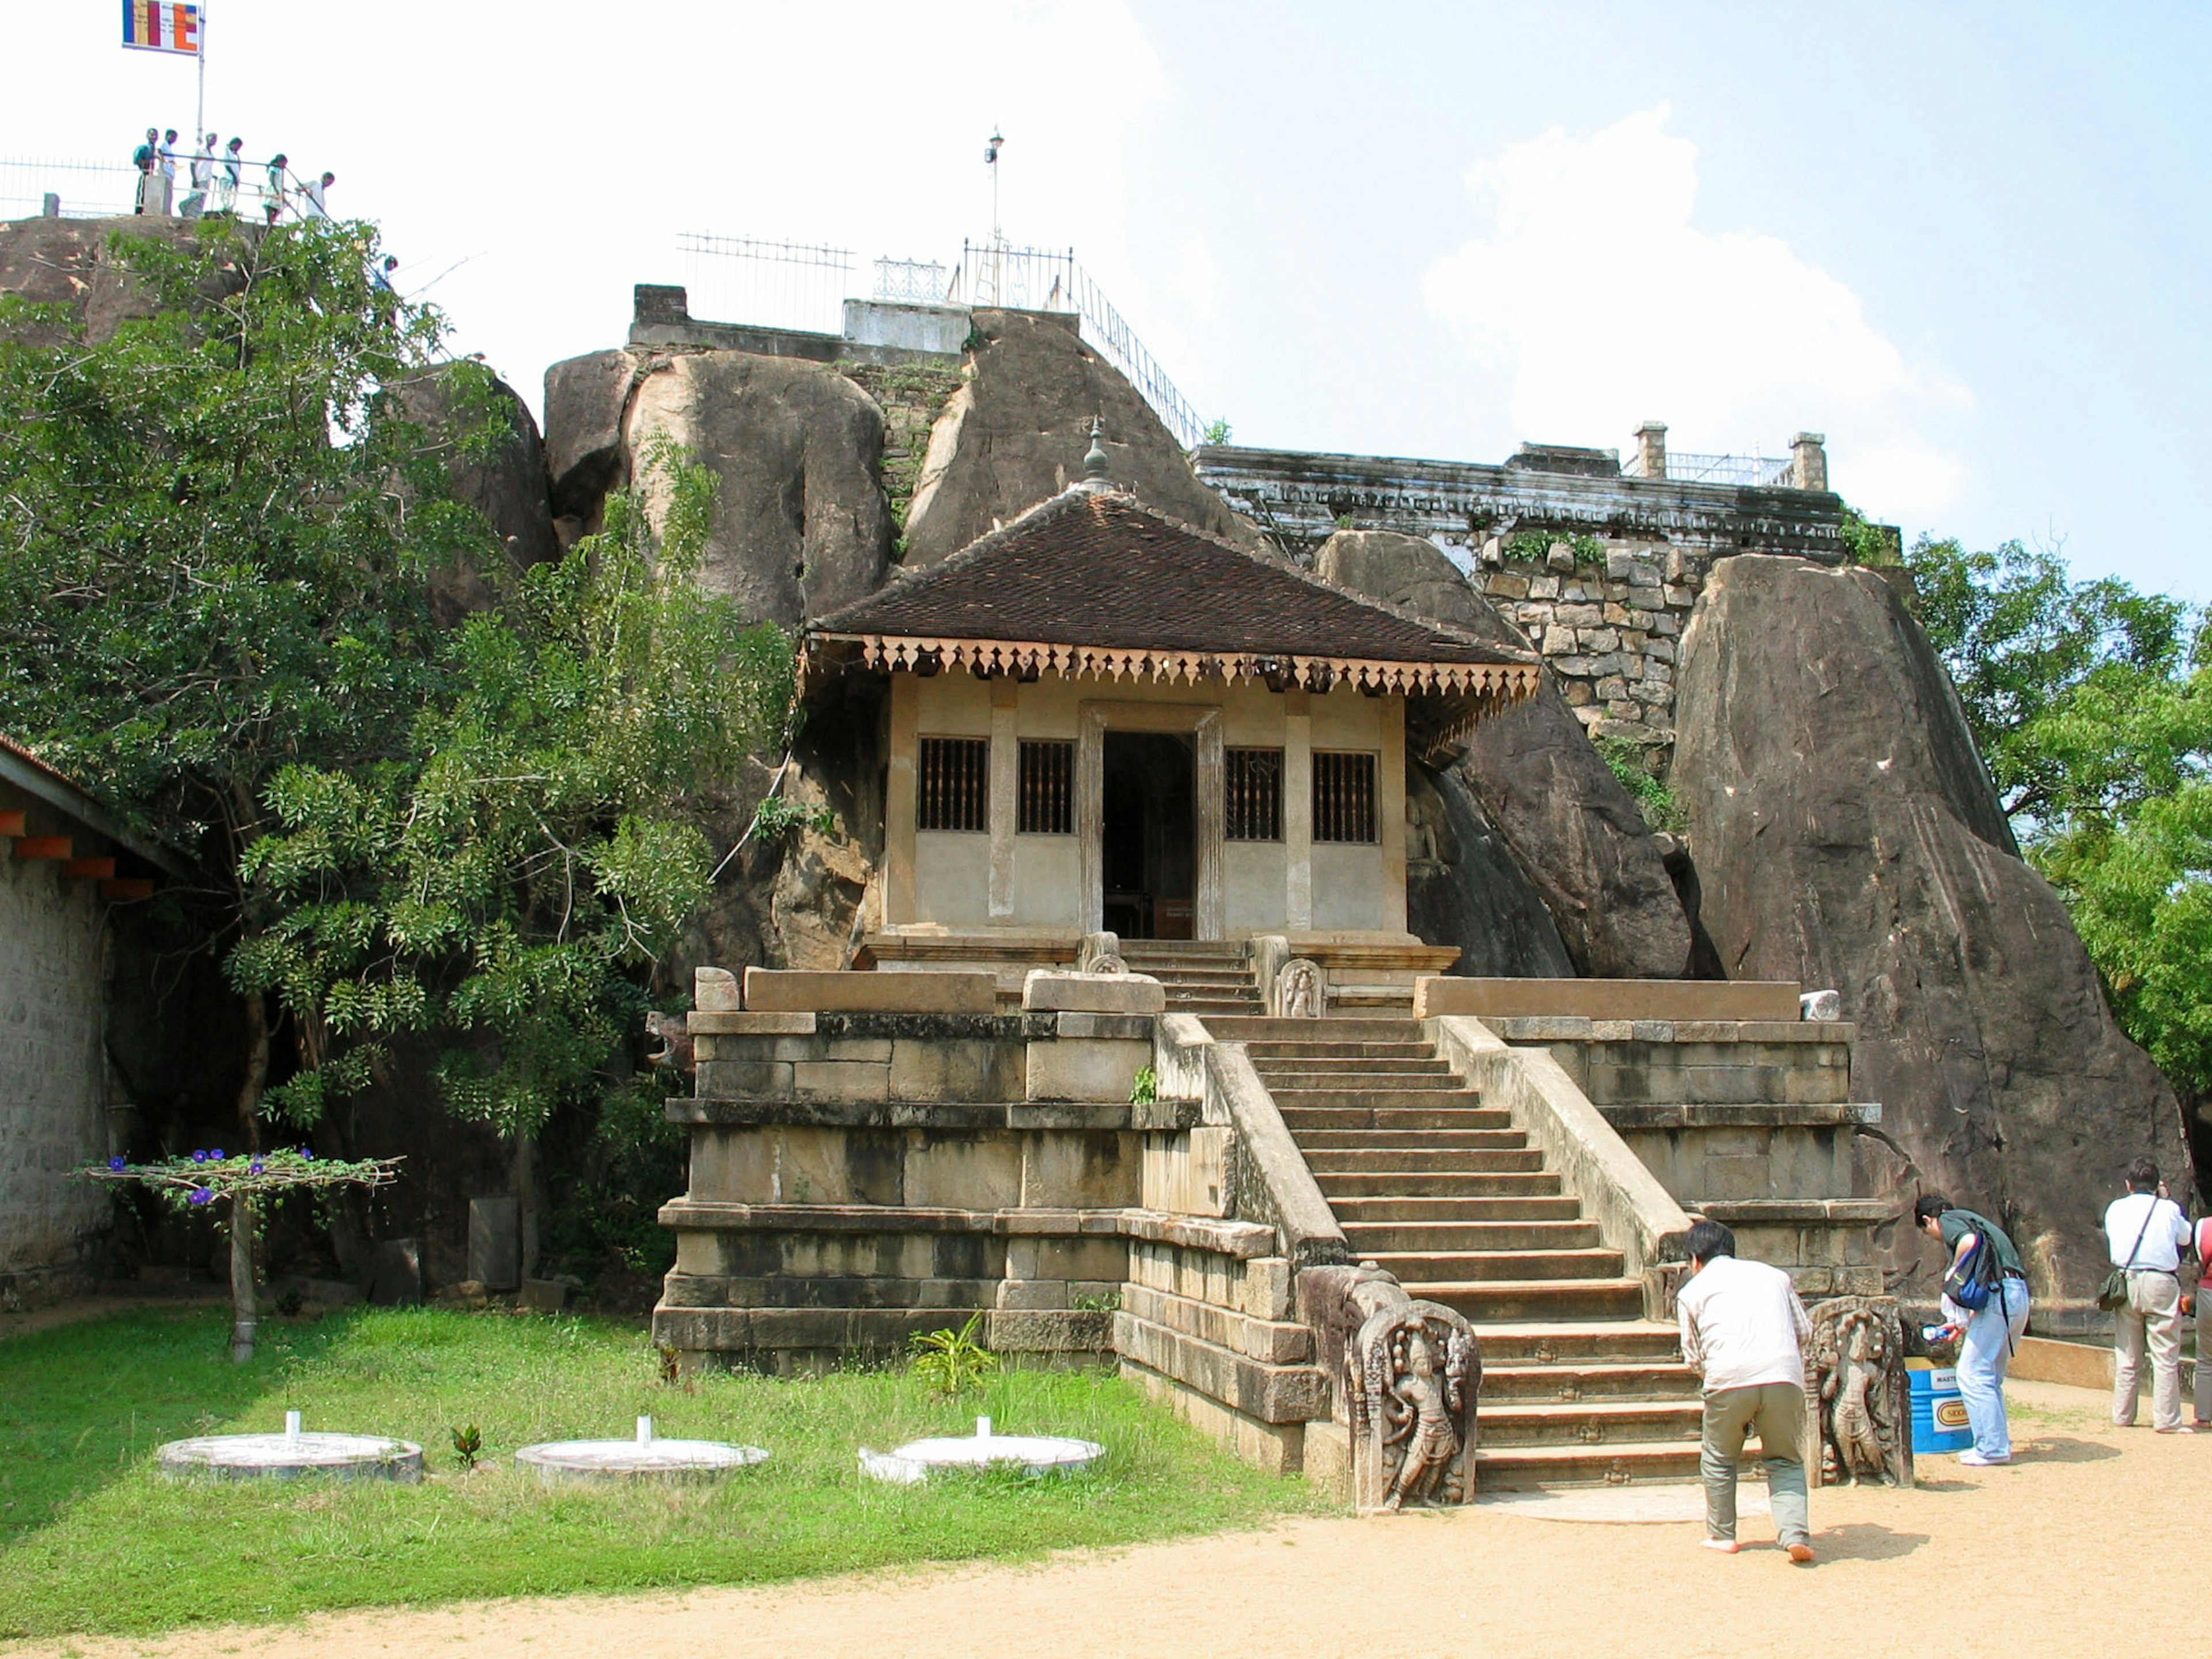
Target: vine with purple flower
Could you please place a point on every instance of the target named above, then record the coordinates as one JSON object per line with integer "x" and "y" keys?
{"x": 193, "y": 1184}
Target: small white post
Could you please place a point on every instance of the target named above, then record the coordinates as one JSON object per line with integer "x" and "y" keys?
{"x": 645, "y": 1432}
{"x": 291, "y": 1425}
{"x": 983, "y": 1428}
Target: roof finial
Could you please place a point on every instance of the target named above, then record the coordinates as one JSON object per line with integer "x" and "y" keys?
{"x": 1095, "y": 463}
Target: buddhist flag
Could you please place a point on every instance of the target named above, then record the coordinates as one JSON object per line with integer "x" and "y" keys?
{"x": 161, "y": 26}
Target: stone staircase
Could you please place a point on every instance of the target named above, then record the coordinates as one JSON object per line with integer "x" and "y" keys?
{"x": 1201, "y": 976}
{"x": 1447, "y": 1193}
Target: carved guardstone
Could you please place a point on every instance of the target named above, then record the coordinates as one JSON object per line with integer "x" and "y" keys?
{"x": 1855, "y": 1381}
{"x": 1412, "y": 1374}
{"x": 1300, "y": 991}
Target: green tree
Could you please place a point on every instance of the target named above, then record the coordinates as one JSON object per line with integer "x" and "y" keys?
{"x": 2091, "y": 703}
{"x": 509, "y": 880}
{"x": 219, "y": 530}
{"x": 216, "y": 542}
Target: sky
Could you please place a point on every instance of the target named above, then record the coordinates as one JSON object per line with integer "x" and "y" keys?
{"x": 1968, "y": 242}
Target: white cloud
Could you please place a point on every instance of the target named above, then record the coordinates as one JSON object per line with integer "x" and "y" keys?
{"x": 1605, "y": 305}
{"x": 1897, "y": 482}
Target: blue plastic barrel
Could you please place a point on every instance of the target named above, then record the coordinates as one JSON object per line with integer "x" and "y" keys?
{"x": 1939, "y": 1414}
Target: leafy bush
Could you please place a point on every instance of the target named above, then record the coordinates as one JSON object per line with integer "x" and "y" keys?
{"x": 952, "y": 1361}
{"x": 1662, "y": 813}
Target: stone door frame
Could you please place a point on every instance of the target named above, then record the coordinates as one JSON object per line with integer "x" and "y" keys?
{"x": 1096, "y": 718}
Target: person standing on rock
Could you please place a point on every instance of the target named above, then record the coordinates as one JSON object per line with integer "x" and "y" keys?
{"x": 149, "y": 185}
{"x": 272, "y": 200}
{"x": 168, "y": 164}
{"x": 1745, "y": 1330}
{"x": 2146, "y": 1233}
{"x": 229, "y": 175}
{"x": 1985, "y": 1348}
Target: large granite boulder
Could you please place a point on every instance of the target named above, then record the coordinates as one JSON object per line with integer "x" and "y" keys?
{"x": 1017, "y": 431}
{"x": 70, "y": 262}
{"x": 800, "y": 526}
{"x": 1464, "y": 888}
{"x": 506, "y": 484}
{"x": 1847, "y": 836}
{"x": 1576, "y": 835}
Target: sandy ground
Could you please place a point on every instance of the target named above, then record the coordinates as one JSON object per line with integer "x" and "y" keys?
{"x": 2045, "y": 1558}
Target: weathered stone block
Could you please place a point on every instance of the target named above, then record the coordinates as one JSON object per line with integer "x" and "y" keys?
{"x": 1085, "y": 1068}
{"x": 1505, "y": 585}
{"x": 1269, "y": 1287}
{"x": 733, "y": 1024}
{"x": 1061, "y": 1170}
{"x": 736, "y": 1078}
{"x": 1130, "y": 1028}
{"x": 825, "y": 1079}
{"x": 1048, "y": 989}
{"x": 771, "y": 990}
{"x": 495, "y": 1242}
{"x": 955, "y": 1068}
{"x": 1543, "y": 587}
{"x": 964, "y": 1173}
{"x": 714, "y": 990}
{"x": 1271, "y": 1448}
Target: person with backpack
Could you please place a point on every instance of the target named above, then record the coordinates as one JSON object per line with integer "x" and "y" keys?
{"x": 2145, "y": 1233}
{"x": 1983, "y": 1279}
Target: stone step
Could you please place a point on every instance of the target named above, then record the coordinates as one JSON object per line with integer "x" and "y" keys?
{"x": 1386, "y": 1091}
{"x": 1587, "y": 1422}
{"x": 1262, "y": 1052}
{"x": 1380, "y": 1238}
{"x": 1455, "y": 1208}
{"x": 1440, "y": 1160}
{"x": 1358, "y": 1135}
{"x": 1435, "y": 1183}
{"x": 1564, "y": 1384}
{"x": 1521, "y": 1468}
{"x": 1204, "y": 1005}
{"x": 1180, "y": 978}
{"x": 1572, "y": 1344}
{"x": 1393, "y": 1121}
{"x": 1516, "y": 1266}
{"x": 1268, "y": 1029}
{"x": 1400, "y": 1238}
{"x": 1533, "y": 1298}
{"x": 1363, "y": 1065}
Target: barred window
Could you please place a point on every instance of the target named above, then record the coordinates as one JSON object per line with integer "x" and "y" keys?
{"x": 1252, "y": 785}
{"x": 1343, "y": 796}
{"x": 954, "y": 791}
{"x": 1048, "y": 790}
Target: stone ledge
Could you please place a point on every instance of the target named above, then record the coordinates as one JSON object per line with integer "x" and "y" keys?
{"x": 706, "y": 1215}
{"x": 1271, "y": 1448}
{"x": 827, "y": 1331}
{"x": 1245, "y": 1240}
{"x": 1049, "y": 1330}
{"x": 784, "y": 1111}
{"x": 1607, "y": 999}
{"x": 1795, "y": 1212}
{"x": 1272, "y": 1393}
{"x": 1702, "y": 1114}
{"x": 798, "y": 991}
{"x": 1167, "y": 1116}
{"x": 1270, "y": 1341}
{"x": 726, "y": 1023}
{"x": 1574, "y": 1028}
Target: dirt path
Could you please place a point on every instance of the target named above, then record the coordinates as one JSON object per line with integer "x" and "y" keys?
{"x": 2033, "y": 1560}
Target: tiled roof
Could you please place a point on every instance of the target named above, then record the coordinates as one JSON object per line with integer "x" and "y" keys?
{"x": 1098, "y": 569}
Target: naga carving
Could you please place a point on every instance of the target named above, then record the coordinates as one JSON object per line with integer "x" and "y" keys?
{"x": 1300, "y": 991}
{"x": 1855, "y": 1373}
{"x": 1413, "y": 1373}
{"x": 673, "y": 1032}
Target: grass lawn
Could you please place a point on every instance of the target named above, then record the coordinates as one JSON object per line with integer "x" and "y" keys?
{"x": 92, "y": 1539}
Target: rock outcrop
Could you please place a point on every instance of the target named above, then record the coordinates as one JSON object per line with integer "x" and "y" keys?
{"x": 1463, "y": 887}
{"x": 507, "y": 486}
{"x": 1846, "y": 836}
{"x": 800, "y": 526}
{"x": 68, "y": 262}
{"x": 1017, "y": 433}
{"x": 1576, "y": 835}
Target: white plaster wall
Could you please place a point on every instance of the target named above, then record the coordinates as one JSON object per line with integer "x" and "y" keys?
{"x": 952, "y": 872}
{"x": 53, "y": 1112}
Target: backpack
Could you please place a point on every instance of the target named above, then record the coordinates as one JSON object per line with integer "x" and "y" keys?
{"x": 1977, "y": 1279}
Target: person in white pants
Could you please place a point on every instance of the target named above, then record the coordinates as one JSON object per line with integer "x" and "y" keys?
{"x": 2146, "y": 1233}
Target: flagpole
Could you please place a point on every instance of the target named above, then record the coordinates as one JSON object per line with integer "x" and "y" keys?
{"x": 199, "y": 117}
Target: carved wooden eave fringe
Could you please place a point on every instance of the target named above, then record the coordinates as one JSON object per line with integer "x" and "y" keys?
{"x": 1468, "y": 692}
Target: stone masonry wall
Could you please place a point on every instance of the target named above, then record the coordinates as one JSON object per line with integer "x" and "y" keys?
{"x": 52, "y": 1109}
{"x": 1609, "y": 627}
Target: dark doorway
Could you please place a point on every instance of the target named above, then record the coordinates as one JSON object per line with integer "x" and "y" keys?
{"x": 1149, "y": 839}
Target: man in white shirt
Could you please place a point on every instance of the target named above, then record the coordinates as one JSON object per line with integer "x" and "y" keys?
{"x": 1745, "y": 1330}
{"x": 2146, "y": 1233}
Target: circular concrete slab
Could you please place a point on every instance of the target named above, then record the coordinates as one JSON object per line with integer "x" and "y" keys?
{"x": 1630, "y": 1506}
{"x": 645, "y": 1457}
{"x": 1030, "y": 1454}
{"x": 287, "y": 1457}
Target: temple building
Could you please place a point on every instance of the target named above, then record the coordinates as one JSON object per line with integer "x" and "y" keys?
{"x": 1103, "y": 718}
